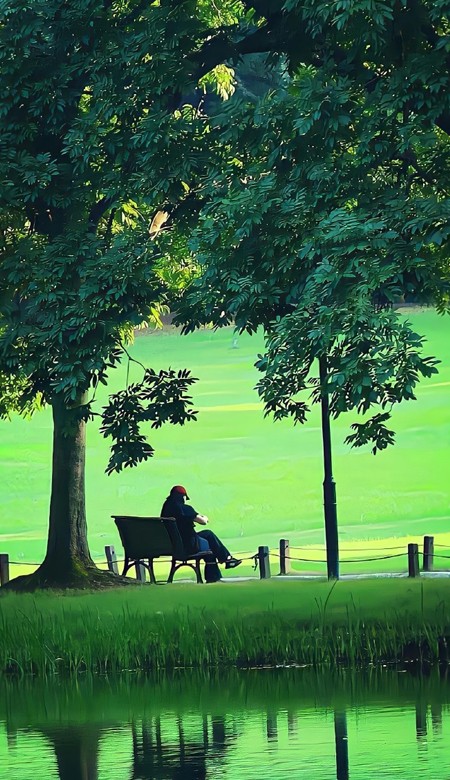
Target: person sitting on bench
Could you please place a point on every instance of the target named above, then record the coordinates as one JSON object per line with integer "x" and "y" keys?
{"x": 186, "y": 516}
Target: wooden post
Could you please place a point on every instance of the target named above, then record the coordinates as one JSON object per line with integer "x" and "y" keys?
{"x": 111, "y": 558}
{"x": 413, "y": 560}
{"x": 140, "y": 572}
{"x": 4, "y": 568}
{"x": 428, "y": 553}
{"x": 264, "y": 563}
{"x": 285, "y": 562}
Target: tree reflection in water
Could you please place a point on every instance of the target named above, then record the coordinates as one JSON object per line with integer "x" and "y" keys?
{"x": 341, "y": 742}
{"x": 422, "y": 719}
{"x": 76, "y": 750}
{"x": 193, "y": 759}
{"x": 154, "y": 731}
{"x": 174, "y": 756}
{"x": 179, "y": 757}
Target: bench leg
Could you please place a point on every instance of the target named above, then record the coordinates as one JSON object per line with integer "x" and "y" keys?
{"x": 198, "y": 572}
{"x": 148, "y": 566}
{"x": 127, "y": 565}
{"x": 194, "y": 566}
{"x": 151, "y": 571}
{"x": 173, "y": 569}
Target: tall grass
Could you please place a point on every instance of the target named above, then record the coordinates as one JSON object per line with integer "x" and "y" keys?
{"x": 245, "y": 625}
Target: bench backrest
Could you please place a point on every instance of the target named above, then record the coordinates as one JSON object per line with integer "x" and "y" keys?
{"x": 149, "y": 537}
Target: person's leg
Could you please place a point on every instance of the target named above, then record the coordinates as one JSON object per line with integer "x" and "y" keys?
{"x": 215, "y": 545}
{"x": 212, "y": 571}
{"x": 202, "y": 544}
{"x": 218, "y": 548}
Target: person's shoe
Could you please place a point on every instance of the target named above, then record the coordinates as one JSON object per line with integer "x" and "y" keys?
{"x": 231, "y": 563}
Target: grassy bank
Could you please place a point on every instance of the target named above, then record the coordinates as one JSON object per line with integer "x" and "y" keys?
{"x": 246, "y": 624}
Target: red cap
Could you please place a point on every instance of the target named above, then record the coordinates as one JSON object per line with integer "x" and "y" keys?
{"x": 180, "y": 489}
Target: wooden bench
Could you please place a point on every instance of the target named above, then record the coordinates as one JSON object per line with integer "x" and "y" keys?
{"x": 147, "y": 538}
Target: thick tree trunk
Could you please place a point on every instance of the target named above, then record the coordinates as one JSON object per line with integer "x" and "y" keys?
{"x": 68, "y": 562}
{"x": 67, "y": 548}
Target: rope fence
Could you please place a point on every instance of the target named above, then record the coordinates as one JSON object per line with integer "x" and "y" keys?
{"x": 350, "y": 560}
{"x": 262, "y": 558}
{"x": 355, "y": 549}
{"x": 23, "y": 563}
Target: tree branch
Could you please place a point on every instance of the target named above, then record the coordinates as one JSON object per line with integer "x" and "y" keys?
{"x": 97, "y": 211}
{"x": 443, "y": 122}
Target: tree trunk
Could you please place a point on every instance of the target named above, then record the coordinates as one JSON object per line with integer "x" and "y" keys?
{"x": 68, "y": 562}
{"x": 68, "y": 555}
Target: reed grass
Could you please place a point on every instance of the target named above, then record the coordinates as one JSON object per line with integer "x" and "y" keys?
{"x": 247, "y": 624}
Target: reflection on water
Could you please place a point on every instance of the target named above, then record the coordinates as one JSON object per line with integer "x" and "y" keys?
{"x": 182, "y": 756}
{"x": 341, "y": 740}
{"x": 76, "y": 751}
{"x": 256, "y": 724}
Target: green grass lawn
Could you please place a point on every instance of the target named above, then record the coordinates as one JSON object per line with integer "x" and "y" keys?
{"x": 257, "y": 480}
{"x": 305, "y": 602}
{"x": 245, "y": 624}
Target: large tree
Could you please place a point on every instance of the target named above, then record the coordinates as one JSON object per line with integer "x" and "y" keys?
{"x": 101, "y": 139}
{"x": 104, "y": 123}
{"x": 331, "y": 205}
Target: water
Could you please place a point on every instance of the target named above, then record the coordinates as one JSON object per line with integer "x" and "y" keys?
{"x": 249, "y": 725}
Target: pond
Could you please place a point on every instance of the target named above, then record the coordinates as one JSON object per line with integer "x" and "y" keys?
{"x": 249, "y": 725}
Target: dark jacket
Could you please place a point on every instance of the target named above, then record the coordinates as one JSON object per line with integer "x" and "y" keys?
{"x": 184, "y": 515}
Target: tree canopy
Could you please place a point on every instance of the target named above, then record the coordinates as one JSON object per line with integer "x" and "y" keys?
{"x": 101, "y": 140}
{"x": 331, "y": 205}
